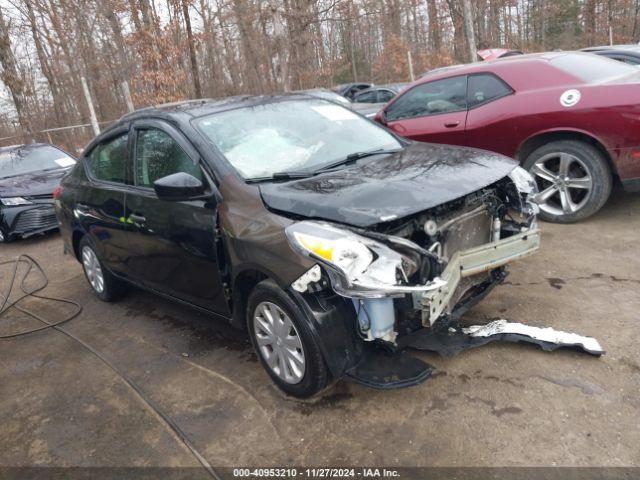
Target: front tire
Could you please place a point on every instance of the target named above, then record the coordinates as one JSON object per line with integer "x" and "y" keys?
{"x": 104, "y": 285}
{"x": 573, "y": 177}
{"x": 282, "y": 338}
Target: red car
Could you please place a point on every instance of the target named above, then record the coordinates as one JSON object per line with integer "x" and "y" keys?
{"x": 495, "y": 53}
{"x": 572, "y": 119}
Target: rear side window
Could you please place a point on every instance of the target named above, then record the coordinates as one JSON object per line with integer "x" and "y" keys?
{"x": 441, "y": 96}
{"x": 108, "y": 160}
{"x": 159, "y": 155}
{"x": 485, "y": 88}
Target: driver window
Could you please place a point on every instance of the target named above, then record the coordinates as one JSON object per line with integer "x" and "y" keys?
{"x": 159, "y": 155}
{"x": 441, "y": 96}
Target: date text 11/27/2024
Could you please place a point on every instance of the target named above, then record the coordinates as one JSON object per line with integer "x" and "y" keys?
{"x": 336, "y": 473}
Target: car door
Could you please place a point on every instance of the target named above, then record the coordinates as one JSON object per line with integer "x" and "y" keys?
{"x": 174, "y": 242}
{"x": 99, "y": 201}
{"x": 491, "y": 124}
{"x": 431, "y": 112}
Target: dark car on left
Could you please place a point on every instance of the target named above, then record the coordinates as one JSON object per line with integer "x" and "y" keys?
{"x": 29, "y": 174}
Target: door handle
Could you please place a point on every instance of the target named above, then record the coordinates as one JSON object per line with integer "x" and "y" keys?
{"x": 451, "y": 124}
{"x": 137, "y": 219}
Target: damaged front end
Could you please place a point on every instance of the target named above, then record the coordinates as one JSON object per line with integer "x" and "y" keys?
{"x": 410, "y": 278}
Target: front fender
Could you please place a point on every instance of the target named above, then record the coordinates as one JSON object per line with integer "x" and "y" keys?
{"x": 332, "y": 319}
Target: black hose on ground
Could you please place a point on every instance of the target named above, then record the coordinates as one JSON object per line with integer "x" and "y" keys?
{"x": 7, "y": 305}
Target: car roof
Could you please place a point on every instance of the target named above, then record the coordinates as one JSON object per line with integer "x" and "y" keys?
{"x": 183, "y": 112}
{"x": 197, "y": 108}
{"x": 396, "y": 87}
{"x": 506, "y": 67}
{"x": 393, "y": 86}
{"x": 317, "y": 89}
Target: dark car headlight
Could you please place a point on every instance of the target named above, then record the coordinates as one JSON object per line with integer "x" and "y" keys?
{"x": 14, "y": 201}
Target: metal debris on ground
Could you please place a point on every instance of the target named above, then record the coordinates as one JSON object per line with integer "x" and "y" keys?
{"x": 449, "y": 339}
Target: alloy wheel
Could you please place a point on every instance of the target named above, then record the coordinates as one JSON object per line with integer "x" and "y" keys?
{"x": 279, "y": 342}
{"x": 564, "y": 183}
{"x": 93, "y": 269}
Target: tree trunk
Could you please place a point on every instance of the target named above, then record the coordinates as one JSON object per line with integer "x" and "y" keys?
{"x": 11, "y": 77}
{"x": 434, "y": 26}
{"x": 192, "y": 50}
{"x": 467, "y": 14}
{"x": 213, "y": 79}
{"x": 590, "y": 21}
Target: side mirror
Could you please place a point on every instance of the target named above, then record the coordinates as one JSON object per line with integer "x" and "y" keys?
{"x": 380, "y": 117}
{"x": 179, "y": 187}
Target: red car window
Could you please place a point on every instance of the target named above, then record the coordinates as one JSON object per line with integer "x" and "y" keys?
{"x": 484, "y": 88}
{"x": 440, "y": 96}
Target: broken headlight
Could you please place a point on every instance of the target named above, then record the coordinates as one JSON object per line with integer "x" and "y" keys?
{"x": 358, "y": 266}
{"x": 528, "y": 189}
{"x": 523, "y": 181}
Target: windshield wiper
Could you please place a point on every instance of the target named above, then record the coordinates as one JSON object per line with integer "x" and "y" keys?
{"x": 351, "y": 158}
{"x": 354, "y": 157}
{"x": 282, "y": 176}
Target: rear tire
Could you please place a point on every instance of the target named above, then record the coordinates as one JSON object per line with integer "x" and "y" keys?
{"x": 103, "y": 283}
{"x": 282, "y": 338}
{"x": 573, "y": 177}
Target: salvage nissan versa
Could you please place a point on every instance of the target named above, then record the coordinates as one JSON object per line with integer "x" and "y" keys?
{"x": 334, "y": 242}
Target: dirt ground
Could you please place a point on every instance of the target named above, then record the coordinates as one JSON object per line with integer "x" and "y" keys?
{"x": 499, "y": 405}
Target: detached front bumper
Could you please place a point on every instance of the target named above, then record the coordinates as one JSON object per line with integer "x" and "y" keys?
{"x": 473, "y": 261}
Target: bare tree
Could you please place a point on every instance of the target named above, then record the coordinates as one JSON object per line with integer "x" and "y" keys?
{"x": 258, "y": 46}
{"x": 469, "y": 30}
{"x": 195, "y": 74}
{"x": 11, "y": 77}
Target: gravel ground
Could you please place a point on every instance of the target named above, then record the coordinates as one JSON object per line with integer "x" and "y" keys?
{"x": 499, "y": 405}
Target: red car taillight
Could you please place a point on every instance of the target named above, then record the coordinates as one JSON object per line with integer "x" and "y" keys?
{"x": 57, "y": 192}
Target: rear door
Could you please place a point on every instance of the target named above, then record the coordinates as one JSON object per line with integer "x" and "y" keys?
{"x": 174, "y": 242}
{"x": 431, "y": 112}
{"x": 99, "y": 200}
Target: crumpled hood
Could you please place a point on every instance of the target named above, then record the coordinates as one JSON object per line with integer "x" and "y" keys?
{"x": 31, "y": 184}
{"x": 419, "y": 177}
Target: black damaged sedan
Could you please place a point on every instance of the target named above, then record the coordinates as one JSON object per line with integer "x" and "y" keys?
{"x": 333, "y": 242}
{"x": 29, "y": 174}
